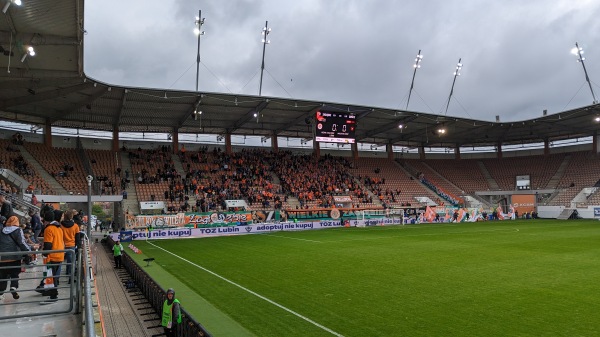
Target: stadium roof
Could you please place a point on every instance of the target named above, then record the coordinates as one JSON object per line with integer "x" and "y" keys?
{"x": 52, "y": 87}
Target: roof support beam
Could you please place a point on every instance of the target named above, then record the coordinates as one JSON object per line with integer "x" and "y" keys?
{"x": 42, "y": 96}
{"x": 248, "y": 116}
{"x": 385, "y": 128}
{"x": 189, "y": 112}
{"x": 303, "y": 117}
{"x": 81, "y": 104}
{"x": 121, "y": 107}
{"x": 36, "y": 39}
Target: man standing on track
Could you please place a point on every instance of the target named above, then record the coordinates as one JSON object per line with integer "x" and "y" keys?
{"x": 117, "y": 252}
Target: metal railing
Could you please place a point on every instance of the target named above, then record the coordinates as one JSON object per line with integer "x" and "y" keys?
{"x": 88, "y": 276}
{"x": 28, "y": 284}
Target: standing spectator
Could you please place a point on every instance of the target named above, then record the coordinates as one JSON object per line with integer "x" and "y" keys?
{"x": 5, "y": 209}
{"x": 171, "y": 310}
{"x": 117, "y": 252}
{"x": 11, "y": 240}
{"x": 70, "y": 230}
{"x": 36, "y": 225}
{"x": 53, "y": 240}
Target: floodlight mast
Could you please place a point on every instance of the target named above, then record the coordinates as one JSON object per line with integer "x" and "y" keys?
{"x": 265, "y": 32}
{"x": 198, "y": 31}
{"x": 578, "y": 51}
{"x": 456, "y": 74}
{"x": 417, "y": 65}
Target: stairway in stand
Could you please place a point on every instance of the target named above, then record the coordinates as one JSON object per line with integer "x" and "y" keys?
{"x": 132, "y": 203}
{"x": 490, "y": 180}
{"x": 182, "y": 172}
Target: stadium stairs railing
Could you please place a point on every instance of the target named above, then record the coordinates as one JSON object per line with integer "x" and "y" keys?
{"x": 28, "y": 284}
{"x": 156, "y": 296}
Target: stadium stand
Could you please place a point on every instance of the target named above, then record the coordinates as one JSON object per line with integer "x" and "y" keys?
{"x": 11, "y": 158}
{"x": 436, "y": 179}
{"x": 583, "y": 171}
{"x": 539, "y": 169}
{"x": 463, "y": 173}
{"x": 104, "y": 166}
{"x": 61, "y": 163}
{"x": 391, "y": 185}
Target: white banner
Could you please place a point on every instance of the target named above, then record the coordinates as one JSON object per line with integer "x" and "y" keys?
{"x": 176, "y": 233}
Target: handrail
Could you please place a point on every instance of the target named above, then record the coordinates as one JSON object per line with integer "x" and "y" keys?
{"x": 88, "y": 275}
{"x": 71, "y": 287}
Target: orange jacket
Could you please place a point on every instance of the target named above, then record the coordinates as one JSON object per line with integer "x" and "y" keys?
{"x": 53, "y": 240}
{"x": 70, "y": 229}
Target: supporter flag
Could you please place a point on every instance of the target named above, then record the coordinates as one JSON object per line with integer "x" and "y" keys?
{"x": 429, "y": 214}
{"x": 461, "y": 214}
{"x": 500, "y": 213}
{"x": 448, "y": 216}
{"x": 48, "y": 277}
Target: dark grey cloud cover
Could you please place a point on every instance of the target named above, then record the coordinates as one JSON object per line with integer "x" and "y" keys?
{"x": 516, "y": 54}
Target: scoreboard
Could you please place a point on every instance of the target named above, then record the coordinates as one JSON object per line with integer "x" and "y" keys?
{"x": 335, "y": 127}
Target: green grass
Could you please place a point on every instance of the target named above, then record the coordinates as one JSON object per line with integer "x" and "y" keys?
{"x": 512, "y": 278}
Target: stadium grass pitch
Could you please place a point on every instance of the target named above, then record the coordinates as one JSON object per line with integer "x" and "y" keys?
{"x": 504, "y": 278}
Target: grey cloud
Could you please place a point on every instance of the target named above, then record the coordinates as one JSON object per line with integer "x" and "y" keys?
{"x": 515, "y": 54}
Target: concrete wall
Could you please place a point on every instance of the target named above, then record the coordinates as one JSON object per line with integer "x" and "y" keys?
{"x": 552, "y": 212}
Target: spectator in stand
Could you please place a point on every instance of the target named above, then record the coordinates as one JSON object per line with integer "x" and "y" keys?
{"x": 12, "y": 239}
{"x": 70, "y": 232}
{"x": 5, "y": 209}
{"x": 53, "y": 240}
{"x": 36, "y": 225}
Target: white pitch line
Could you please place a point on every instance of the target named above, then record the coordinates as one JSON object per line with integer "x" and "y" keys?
{"x": 252, "y": 292}
{"x": 287, "y": 237}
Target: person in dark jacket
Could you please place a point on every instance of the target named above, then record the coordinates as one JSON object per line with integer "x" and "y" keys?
{"x": 36, "y": 225}
{"x": 11, "y": 240}
{"x": 5, "y": 209}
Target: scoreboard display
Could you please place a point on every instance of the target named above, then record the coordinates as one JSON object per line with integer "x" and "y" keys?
{"x": 335, "y": 127}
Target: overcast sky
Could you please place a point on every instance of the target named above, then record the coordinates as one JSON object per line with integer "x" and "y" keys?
{"x": 515, "y": 53}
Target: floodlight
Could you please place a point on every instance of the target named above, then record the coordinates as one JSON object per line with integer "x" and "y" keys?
{"x": 417, "y": 65}
{"x": 579, "y": 51}
{"x": 265, "y": 32}
{"x": 30, "y": 51}
{"x": 597, "y": 119}
{"x": 5, "y": 8}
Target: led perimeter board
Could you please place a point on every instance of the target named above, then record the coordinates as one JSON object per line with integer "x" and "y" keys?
{"x": 335, "y": 127}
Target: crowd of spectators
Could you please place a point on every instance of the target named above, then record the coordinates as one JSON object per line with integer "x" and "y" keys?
{"x": 212, "y": 176}
{"x": 315, "y": 182}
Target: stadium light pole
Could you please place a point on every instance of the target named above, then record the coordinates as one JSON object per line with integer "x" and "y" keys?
{"x": 417, "y": 65}
{"x": 579, "y": 51}
{"x": 265, "y": 32}
{"x": 198, "y": 31}
{"x": 89, "y": 179}
{"x": 456, "y": 74}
